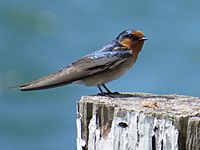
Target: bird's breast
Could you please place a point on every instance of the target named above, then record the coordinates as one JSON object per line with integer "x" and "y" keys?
{"x": 110, "y": 74}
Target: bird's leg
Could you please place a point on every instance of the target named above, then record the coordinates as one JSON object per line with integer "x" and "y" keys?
{"x": 109, "y": 92}
{"x": 103, "y": 93}
{"x": 99, "y": 87}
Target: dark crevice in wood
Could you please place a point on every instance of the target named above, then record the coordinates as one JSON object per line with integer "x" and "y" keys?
{"x": 123, "y": 124}
{"x": 153, "y": 142}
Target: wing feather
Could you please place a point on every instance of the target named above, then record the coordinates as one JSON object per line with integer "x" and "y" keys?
{"x": 89, "y": 65}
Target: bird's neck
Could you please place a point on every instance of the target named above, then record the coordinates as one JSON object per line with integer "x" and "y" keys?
{"x": 136, "y": 48}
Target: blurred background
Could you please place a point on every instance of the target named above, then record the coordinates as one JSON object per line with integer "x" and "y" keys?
{"x": 39, "y": 37}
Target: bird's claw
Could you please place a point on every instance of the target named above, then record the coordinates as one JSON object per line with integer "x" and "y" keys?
{"x": 107, "y": 93}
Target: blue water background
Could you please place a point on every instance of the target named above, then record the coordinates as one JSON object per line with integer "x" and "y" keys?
{"x": 39, "y": 37}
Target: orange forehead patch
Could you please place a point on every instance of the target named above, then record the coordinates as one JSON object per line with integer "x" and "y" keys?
{"x": 138, "y": 34}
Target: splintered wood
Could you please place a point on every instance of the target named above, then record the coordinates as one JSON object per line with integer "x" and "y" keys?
{"x": 138, "y": 121}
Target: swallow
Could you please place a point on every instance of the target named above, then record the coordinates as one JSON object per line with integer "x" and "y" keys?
{"x": 98, "y": 67}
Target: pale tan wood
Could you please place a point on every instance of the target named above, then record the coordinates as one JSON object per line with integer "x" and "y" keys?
{"x": 138, "y": 121}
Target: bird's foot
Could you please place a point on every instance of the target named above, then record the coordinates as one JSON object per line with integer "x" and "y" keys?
{"x": 108, "y": 93}
{"x": 115, "y": 93}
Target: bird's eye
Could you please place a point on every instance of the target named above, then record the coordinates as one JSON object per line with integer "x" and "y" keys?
{"x": 129, "y": 35}
{"x": 132, "y": 37}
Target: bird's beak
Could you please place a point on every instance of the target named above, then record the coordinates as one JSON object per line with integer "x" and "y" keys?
{"x": 143, "y": 39}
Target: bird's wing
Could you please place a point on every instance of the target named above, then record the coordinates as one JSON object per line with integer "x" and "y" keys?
{"x": 89, "y": 65}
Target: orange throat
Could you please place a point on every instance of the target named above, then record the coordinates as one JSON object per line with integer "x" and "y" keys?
{"x": 134, "y": 46}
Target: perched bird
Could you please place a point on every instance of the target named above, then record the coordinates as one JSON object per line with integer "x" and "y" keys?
{"x": 98, "y": 67}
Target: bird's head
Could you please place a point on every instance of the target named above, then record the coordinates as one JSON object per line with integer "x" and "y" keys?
{"x": 132, "y": 39}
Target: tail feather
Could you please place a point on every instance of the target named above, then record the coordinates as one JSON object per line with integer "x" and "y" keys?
{"x": 50, "y": 81}
{"x": 32, "y": 87}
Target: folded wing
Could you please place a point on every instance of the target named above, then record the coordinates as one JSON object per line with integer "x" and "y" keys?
{"x": 85, "y": 67}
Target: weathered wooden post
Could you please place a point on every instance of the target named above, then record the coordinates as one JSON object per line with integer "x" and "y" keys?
{"x": 138, "y": 121}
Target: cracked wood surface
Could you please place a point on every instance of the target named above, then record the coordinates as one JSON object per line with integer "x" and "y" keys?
{"x": 138, "y": 121}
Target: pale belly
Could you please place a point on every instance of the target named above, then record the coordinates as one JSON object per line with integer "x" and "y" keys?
{"x": 108, "y": 75}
